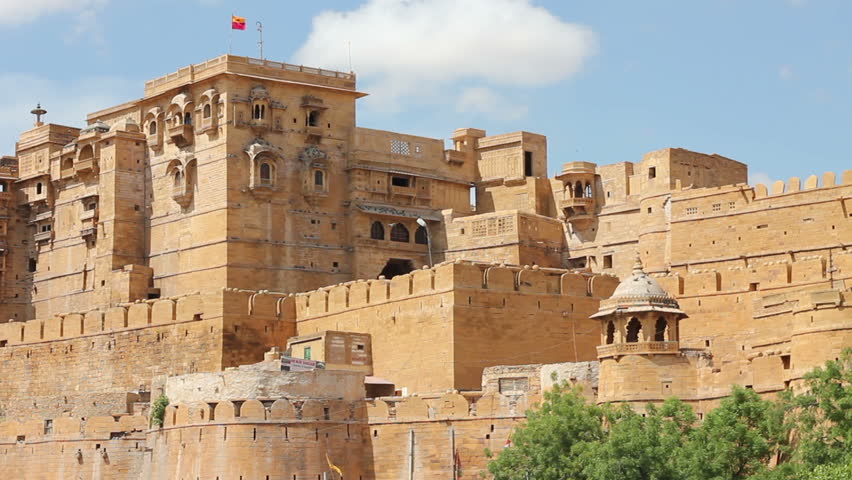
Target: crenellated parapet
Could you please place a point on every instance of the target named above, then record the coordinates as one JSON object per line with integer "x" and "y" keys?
{"x": 760, "y": 275}
{"x": 450, "y": 276}
{"x": 795, "y": 184}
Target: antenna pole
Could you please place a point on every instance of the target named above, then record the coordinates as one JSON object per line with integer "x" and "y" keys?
{"x": 349, "y": 43}
{"x": 260, "y": 43}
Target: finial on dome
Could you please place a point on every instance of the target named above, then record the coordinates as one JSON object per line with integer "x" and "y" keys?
{"x": 637, "y": 265}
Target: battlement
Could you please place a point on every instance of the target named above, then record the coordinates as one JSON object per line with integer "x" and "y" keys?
{"x": 452, "y": 405}
{"x": 795, "y": 185}
{"x": 38, "y": 429}
{"x": 757, "y": 275}
{"x": 449, "y": 276}
{"x": 147, "y": 313}
{"x": 250, "y": 66}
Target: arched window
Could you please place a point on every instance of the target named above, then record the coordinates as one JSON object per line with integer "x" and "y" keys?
{"x": 187, "y": 118}
{"x": 319, "y": 178}
{"x": 178, "y": 178}
{"x": 578, "y": 190}
{"x": 256, "y": 114}
{"x": 207, "y": 111}
{"x": 399, "y": 233}
{"x": 610, "y": 332}
{"x": 421, "y": 236}
{"x": 67, "y": 164}
{"x": 660, "y": 330}
{"x": 377, "y": 231}
{"x": 39, "y": 188}
{"x": 588, "y": 190}
{"x": 265, "y": 174}
{"x": 152, "y": 127}
{"x": 634, "y": 327}
{"x": 2, "y": 186}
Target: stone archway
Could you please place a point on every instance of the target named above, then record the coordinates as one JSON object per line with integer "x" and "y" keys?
{"x": 397, "y": 266}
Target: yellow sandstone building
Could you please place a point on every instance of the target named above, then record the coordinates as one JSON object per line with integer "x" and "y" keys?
{"x": 181, "y": 242}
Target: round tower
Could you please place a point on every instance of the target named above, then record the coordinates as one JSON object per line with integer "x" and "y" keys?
{"x": 639, "y": 352}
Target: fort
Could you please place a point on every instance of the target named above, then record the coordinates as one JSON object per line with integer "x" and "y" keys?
{"x": 179, "y": 244}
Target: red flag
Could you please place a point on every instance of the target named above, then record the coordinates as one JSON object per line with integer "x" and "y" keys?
{"x": 238, "y": 23}
{"x": 508, "y": 443}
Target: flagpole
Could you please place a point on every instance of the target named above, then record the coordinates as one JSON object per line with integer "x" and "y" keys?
{"x": 260, "y": 43}
{"x": 231, "y": 34}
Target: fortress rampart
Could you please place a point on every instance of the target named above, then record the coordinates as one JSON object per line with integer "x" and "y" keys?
{"x": 100, "y": 362}
{"x": 457, "y": 318}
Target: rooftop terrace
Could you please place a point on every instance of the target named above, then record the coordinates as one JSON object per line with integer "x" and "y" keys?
{"x": 250, "y": 66}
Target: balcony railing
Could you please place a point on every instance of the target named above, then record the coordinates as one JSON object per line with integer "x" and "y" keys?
{"x": 181, "y": 135}
{"x": 634, "y": 348}
{"x": 88, "y": 214}
{"x": 43, "y": 236}
{"x": 5, "y": 196}
{"x": 85, "y": 165}
{"x": 569, "y": 201}
{"x": 403, "y": 191}
{"x": 454, "y": 157}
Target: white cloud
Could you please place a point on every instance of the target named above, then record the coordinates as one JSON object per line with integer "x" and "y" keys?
{"x": 16, "y": 13}
{"x": 67, "y": 103}
{"x": 759, "y": 177}
{"x": 486, "y": 101}
{"x": 403, "y": 48}
{"x": 786, "y": 72}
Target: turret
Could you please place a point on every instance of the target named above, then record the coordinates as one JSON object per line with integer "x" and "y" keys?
{"x": 577, "y": 200}
{"x": 640, "y": 318}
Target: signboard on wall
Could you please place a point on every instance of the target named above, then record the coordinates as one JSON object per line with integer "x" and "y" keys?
{"x": 292, "y": 364}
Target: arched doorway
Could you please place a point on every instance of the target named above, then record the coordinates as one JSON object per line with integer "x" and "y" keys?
{"x": 397, "y": 266}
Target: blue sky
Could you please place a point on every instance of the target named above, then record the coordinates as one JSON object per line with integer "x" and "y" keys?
{"x": 766, "y": 82}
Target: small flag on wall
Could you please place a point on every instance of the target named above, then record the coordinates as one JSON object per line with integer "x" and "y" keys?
{"x": 238, "y": 23}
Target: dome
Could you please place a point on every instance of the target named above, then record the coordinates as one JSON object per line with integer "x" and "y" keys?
{"x": 98, "y": 126}
{"x": 639, "y": 293}
{"x": 639, "y": 284}
{"x": 125, "y": 125}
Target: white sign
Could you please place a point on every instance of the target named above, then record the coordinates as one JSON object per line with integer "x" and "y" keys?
{"x": 292, "y": 364}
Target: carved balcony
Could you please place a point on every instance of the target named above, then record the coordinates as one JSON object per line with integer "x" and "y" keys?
{"x": 638, "y": 348}
{"x": 90, "y": 232}
{"x": 66, "y": 173}
{"x": 454, "y": 157}
{"x": 86, "y": 165}
{"x": 5, "y": 196}
{"x": 182, "y": 195}
{"x": 88, "y": 215}
{"x": 181, "y": 135}
{"x": 43, "y": 237}
{"x": 402, "y": 191}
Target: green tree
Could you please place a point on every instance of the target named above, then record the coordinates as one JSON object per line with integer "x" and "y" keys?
{"x": 736, "y": 440}
{"x": 641, "y": 447}
{"x": 823, "y": 420}
{"x": 549, "y": 445}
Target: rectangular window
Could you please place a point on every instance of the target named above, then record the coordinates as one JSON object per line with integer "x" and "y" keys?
{"x": 652, "y": 172}
{"x": 48, "y": 427}
{"x": 400, "y": 181}
{"x": 514, "y": 385}
{"x": 607, "y": 261}
{"x": 307, "y": 354}
{"x": 717, "y": 207}
{"x": 785, "y": 361}
{"x": 732, "y": 205}
{"x": 528, "y": 164}
{"x": 692, "y": 210}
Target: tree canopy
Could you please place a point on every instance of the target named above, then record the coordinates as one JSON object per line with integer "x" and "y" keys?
{"x": 804, "y": 436}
